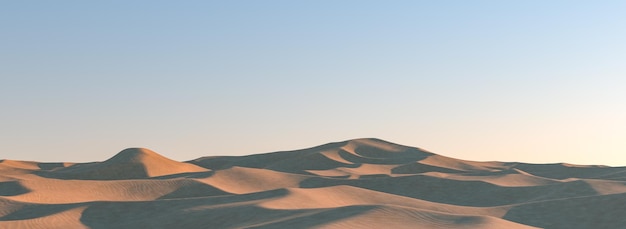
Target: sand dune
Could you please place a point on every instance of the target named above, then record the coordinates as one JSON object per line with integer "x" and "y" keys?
{"x": 361, "y": 183}
{"x": 132, "y": 163}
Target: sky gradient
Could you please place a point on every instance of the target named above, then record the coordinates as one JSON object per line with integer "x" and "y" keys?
{"x": 530, "y": 81}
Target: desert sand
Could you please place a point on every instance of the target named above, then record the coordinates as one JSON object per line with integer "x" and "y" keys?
{"x": 361, "y": 183}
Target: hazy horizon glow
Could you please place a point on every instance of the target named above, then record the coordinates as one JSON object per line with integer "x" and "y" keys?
{"x": 529, "y": 81}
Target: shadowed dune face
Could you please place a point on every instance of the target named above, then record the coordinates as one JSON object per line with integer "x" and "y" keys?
{"x": 361, "y": 183}
{"x": 601, "y": 211}
{"x": 564, "y": 171}
{"x": 12, "y": 188}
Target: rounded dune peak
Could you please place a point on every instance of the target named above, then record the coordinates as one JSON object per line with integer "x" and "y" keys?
{"x": 371, "y": 141}
{"x": 378, "y": 148}
{"x": 377, "y": 143}
{"x": 130, "y": 163}
{"x": 138, "y": 150}
{"x": 136, "y": 154}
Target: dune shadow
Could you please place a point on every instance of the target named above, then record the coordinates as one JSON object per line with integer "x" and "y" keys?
{"x": 12, "y": 188}
{"x": 373, "y": 176}
{"x": 297, "y": 164}
{"x": 318, "y": 218}
{"x": 375, "y": 155}
{"x": 560, "y": 171}
{"x": 219, "y": 212}
{"x": 50, "y": 166}
{"x": 232, "y": 211}
{"x": 388, "y": 158}
{"x": 457, "y": 192}
{"x": 606, "y": 211}
{"x": 194, "y": 189}
{"x": 33, "y": 211}
{"x": 186, "y": 175}
{"x": 313, "y": 161}
{"x": 275, "y": 160}
{"x": 217, "y": 162}
{"x": 416, "y": 168}
{"x": 98, "y": 171}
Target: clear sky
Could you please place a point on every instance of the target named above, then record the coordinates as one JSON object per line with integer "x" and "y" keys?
{"x": 532, "y": 81}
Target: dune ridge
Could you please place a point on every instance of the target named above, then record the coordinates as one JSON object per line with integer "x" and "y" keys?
{"x": 360, "y": 183}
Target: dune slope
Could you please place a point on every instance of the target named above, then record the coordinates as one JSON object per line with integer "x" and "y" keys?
{"x": 360, "y": 183}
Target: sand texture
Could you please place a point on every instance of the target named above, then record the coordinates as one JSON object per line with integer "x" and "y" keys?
{"x": 361, "y": 183}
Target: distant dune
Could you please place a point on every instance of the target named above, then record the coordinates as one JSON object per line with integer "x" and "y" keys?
{"x": 361, "y": 183}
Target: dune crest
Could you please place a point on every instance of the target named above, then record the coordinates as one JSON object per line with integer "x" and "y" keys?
{"x": 360, "y": 183}
{"x": 131, "y": 163}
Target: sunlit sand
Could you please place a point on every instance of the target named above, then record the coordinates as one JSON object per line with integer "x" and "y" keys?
{"x": 361, "y": 183}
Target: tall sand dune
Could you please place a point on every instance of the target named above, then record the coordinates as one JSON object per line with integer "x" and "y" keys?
{"x": 131, "y": 163}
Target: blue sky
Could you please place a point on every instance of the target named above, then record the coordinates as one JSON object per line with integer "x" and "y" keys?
{"x": 532, "y": 81}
